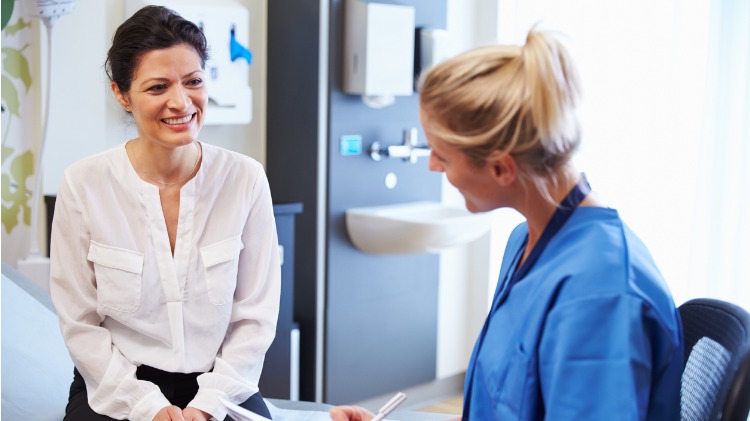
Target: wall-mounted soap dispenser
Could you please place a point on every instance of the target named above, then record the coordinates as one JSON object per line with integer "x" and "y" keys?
{"x": 225, "y": 23}
{"x": 378, "y": 51}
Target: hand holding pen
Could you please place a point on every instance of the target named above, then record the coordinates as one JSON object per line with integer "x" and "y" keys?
{"x": 390, "y": 406}
{"x": 355, "y": 413}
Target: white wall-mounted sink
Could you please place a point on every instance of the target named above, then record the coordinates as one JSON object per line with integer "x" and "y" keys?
{"x": 414, "y": 227}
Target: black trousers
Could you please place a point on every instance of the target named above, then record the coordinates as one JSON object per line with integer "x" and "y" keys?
{"x": 178, "y": 388}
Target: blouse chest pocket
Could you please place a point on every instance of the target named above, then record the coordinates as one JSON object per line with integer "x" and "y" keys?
{"x": 118, "y": 276}
{"x": 220, "y": 262}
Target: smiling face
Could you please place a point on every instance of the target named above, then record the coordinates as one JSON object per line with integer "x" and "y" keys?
{"x": 476, "y": 183}
{"x": 167, "y": 96}
{"x": 484, "y": 186}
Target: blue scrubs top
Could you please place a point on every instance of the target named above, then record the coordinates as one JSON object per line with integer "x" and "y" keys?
{"x": 589, "y": 333}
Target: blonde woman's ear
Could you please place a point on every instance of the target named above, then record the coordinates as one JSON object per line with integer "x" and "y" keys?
{"x": 503, "y": 166}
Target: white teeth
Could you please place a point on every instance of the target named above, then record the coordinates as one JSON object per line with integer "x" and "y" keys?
{"x": 178, "y": 120}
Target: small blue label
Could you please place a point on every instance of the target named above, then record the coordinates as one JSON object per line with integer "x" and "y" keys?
{"x": 351, "y": 144}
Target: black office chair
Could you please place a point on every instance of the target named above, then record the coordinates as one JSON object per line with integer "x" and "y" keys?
{"x": 716, "y": 378}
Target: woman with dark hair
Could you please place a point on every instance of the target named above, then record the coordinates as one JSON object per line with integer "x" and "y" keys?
{"x": 582, "y": 325}
{"x": 165, "y": 269}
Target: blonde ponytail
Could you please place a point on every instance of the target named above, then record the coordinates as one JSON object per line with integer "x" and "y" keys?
{"x": 518, "y": 100}
{"x": 554, "y": 93}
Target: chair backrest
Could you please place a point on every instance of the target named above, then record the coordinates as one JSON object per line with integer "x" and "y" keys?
{"x": 716, "y": 379}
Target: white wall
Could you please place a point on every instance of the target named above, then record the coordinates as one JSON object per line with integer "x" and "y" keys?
{"x": 78, "y": 119}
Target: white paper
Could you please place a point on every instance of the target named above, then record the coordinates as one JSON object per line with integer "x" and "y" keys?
{"x": 239, "y": 413}
{"x": 280, "y": 414}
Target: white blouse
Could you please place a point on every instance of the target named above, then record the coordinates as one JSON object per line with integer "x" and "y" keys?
{"x": 123, "y": 300}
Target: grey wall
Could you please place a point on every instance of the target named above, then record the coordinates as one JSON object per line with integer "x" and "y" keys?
{"x": 380, "y": 311}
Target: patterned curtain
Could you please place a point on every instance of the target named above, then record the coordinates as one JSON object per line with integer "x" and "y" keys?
{"x": 21, "y": 128}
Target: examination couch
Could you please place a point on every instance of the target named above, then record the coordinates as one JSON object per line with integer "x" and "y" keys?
{"x": 37, "y": 370}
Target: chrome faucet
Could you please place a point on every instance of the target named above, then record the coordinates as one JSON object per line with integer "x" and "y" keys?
{"x": 409, "y": 151}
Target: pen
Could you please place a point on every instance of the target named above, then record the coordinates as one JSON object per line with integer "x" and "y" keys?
{"x": 390, "y": 406}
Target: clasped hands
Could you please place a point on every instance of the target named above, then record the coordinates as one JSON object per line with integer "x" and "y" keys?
{"x": 174, "y": 413}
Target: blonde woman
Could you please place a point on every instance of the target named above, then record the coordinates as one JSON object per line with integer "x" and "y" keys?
{"x": 582, "y": 325}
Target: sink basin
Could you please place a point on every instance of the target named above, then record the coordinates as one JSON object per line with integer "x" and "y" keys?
{"x": 415, "y": 227}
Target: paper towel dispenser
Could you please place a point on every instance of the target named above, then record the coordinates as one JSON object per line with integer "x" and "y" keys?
{"x": 378, "y": 48}
{"x": 225, "y": 23}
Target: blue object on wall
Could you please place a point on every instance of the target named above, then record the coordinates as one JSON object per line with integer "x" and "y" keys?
{"x": 237, "y": 51}
{"x": 350, "y": 145}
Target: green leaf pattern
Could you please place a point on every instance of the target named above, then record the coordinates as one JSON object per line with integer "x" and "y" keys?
{"x": 20, "y": 24}
{"x": 16, "y": 65}
{"x": 15, "y": 176}
{"x": 10, "y": 97}
{"x": 13, "y": 188}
